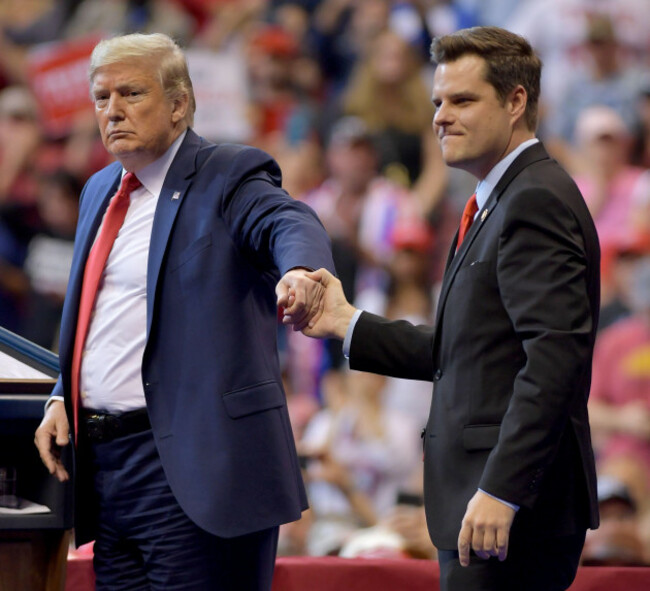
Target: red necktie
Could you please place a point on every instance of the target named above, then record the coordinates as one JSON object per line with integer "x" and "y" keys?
{"x": 469, "y": 212}
{"x": 113, "y": 220}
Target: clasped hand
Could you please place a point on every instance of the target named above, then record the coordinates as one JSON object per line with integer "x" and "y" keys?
{"x": 329, "y": 315}
{"x": 314, "y": 303}
{"x": 300, "y": 298}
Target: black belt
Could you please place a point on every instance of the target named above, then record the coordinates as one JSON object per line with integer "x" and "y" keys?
{"x": 101, "y": 426}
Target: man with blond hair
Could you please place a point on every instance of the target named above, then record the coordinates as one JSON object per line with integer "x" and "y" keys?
{"x": 170, "y": 384}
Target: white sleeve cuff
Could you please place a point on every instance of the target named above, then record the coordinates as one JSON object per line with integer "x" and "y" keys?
{"x": 51, "y": 399}
{"x": 511, "y": 505}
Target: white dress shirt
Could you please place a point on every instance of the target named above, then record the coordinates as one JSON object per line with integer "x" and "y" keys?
{"x": 486, "y": 186}
{"x": 111, "y": 364}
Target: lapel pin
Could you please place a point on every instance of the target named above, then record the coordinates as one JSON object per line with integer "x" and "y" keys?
{"x": 484, "y": 215}
{"x": 176, "y": 195}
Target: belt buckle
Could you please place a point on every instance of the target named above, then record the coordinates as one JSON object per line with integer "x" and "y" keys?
{"x": 99, "y": 427}
{"x": 94, "y": 427}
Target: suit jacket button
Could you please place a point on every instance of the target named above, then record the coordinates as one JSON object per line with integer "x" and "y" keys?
{"x": 437, "y": 375}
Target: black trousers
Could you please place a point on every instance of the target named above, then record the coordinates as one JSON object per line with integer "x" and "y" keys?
{"x": 145, "y": 542}
{"x": 532, "y": 565}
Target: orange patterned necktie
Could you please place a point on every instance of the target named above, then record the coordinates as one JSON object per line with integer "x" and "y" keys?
{"x": 113, "y": 220}
{"x": 469, "y": 212}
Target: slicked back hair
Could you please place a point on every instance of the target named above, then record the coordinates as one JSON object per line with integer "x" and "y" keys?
{"x": 164, "y": 53}
{"x": 509, "y": 61}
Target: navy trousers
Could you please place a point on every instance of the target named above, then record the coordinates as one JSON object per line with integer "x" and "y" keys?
{"x": 145, "y": 542}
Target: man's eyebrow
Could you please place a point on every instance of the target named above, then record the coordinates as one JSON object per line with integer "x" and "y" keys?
{"x": 124, "y": 85}
{"x": 130, "y": 84}
{"x": 463, "y": 94}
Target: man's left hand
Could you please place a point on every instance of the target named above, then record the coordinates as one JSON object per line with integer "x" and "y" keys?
{"x": 301, "y": 298}
{"x": 485, "y": 528}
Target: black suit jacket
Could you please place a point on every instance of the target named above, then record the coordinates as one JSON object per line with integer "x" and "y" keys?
{"x": 510, "y": 356}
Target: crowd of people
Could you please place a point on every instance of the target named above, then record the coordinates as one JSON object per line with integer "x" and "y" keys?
{"x": 338, "y": 92}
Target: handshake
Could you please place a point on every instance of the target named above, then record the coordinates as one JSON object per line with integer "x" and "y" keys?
{"x": 314, "y": 303}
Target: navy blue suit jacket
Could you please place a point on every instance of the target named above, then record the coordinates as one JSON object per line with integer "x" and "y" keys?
{"x": 223, "y": 234}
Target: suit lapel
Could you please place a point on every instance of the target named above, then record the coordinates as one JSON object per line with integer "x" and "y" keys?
{"x": 178, "y": 179}
{"x": 96, "y": 207}
{"x": 454, "y": 259}
{"x": 95, "y": 202}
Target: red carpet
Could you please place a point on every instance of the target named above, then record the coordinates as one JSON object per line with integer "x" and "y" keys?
{"x": 327, "y": 574}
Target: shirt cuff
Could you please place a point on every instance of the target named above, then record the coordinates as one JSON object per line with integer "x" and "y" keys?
{"x": 514, "y": 507}
{"x": 51, "y": 399}
{"x": 348, "y": 335}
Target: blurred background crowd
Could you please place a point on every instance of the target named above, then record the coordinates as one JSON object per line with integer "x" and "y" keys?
{"x": 338, "y": 91}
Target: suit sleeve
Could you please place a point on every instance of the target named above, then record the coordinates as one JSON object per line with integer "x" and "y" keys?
{"x": 542, "y": 278}
{"x": 266, "y": 222}
{"x": 393, "y": 348}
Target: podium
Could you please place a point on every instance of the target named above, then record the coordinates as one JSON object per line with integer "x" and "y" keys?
{"x": 34, "y": 536}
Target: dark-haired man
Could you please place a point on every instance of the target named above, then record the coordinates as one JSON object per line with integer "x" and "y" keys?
{"x": 509, "y": 469}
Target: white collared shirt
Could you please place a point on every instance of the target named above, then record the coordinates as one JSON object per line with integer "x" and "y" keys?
{"x": 486, "y": 186}
{"x": 111, "y": 378}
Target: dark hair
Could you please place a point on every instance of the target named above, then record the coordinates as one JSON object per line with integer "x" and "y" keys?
{"x": 510, "y": 61}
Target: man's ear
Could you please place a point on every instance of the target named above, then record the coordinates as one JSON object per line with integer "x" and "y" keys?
{"x": 180, "y": 106}
{"x": 517, "y": 101}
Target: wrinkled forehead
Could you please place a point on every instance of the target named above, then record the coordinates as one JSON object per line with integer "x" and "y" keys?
{"x": 142, "y": 67}
{"x": 125, "y": 75}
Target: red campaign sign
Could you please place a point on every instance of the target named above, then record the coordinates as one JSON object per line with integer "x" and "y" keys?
{"x": 58, "y": 75}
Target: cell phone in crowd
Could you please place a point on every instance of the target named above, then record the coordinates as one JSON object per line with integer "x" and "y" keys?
{"x": 407, "y": 498}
